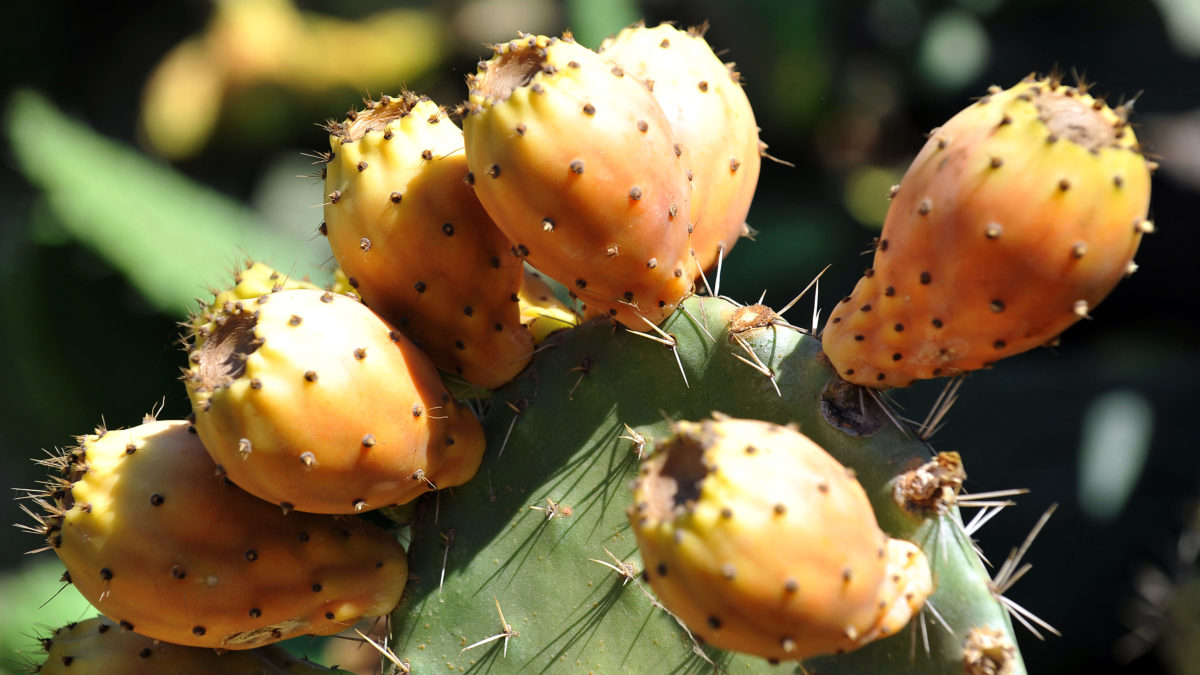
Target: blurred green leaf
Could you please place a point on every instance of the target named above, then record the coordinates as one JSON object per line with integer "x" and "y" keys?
{"x": 592, "y": 21}
{"x": 36, "y": 602}
{"x": 168, "y": 235}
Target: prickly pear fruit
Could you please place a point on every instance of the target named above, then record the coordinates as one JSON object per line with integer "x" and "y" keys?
{"x": 311, "y": 401}
{"x": 541, "y": 310}
{"x": 1018, "y": 216}
{"x": 577, "y": 164}
{"x": 712, "y": 121}
{"x": 250, "y": 280}
{"x": 761, "y": 542}
{"x": 156, "y": 538}
{"x": 99, "y": 646}
{"x": 419, "y": 248}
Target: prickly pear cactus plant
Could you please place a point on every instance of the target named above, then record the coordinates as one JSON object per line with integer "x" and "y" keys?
{"x": 549, "y": 506}
{"x": 670, "y": 481}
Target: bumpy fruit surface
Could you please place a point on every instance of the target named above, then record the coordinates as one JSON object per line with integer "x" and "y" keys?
{"x": 761, "y": 542}
{"x": 250, "y": 280}
{"x": 408, "y": 231}
{"x": 311, "y": 401}
{"x": 712, "y": 121}
{"x": 1018, "y": 216}
{"x": 99, "y": 646}
{"x": 577, "y": 164}
{"x": 156, "y": 538}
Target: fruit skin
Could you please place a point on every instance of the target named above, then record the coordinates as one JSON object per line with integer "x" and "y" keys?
{"x": 407, "y": 229}
{"x": 711, "y": 119}
{"x": 576, "y": 163}
{"x": 761, "y": 542}
{"x": 99, "y": 646}
{"x": 311, "y": 401}
{"x": 156, "y": 538}
{"x": 1018, "y": 216}
{"x": 250, "y": 280}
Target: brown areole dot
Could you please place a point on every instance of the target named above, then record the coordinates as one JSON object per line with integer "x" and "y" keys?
{"x": 576, "y": 166}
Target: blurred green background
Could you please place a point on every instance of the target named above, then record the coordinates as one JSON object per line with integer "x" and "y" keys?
{"x": 150, "y": 146}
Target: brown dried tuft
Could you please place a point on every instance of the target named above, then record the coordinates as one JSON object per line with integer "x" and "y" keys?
{"x": 509, "y": 71}
{"x": 222, "y": 357}
{"x": 377, "y": 116}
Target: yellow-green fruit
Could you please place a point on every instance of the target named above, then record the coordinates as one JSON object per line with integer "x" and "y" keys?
{"x": 541, "y": 310}
{"x": 576, "y": 163}
{"x": 99, "y": 646}
{"x": 251, "y": 280}
{"x": 341, "y": 284}
{"x": 415, "y": 243}
{"x": 712, "y": 121}
{"x": 311, "y": 401}
{"x": 761, "y": 542}
{"x": 155, "y": 537}
{"x": 1020, "y": 214}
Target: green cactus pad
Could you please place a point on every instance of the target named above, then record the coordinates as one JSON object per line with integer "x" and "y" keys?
{"x": 555, "y": 438}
